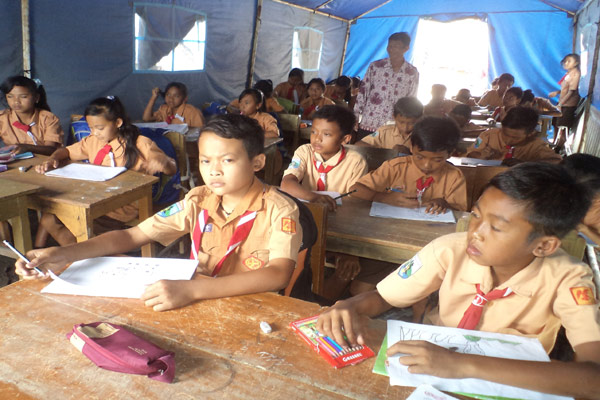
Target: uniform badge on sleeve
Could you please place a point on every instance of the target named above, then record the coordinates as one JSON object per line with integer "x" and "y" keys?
{"x": 171, "y": 210}
{"x": 375, "y": 134}
{"x": 477, "y": 143}
{"x": 410, "y": 267}
{"x": 583, "y": 295}
{"x": 288, "y": 225}
{"x": 253, "y": 262}
{"x": 295, "y": 164}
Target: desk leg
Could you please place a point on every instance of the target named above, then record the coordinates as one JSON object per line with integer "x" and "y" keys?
{"x": 145, "y": 211}
{"x": 77, "y": 220}
{"x": 21, "y": 229}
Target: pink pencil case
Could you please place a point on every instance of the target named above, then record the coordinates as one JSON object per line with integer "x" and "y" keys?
{"x": 112, "y": 347}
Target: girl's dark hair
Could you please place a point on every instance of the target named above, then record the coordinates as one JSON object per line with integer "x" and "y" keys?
{"x": 506, "y": 77}
{"x": 111, "y": 108}
{"x": 31, "y": 85}
{"x": 317, "y": 81}
{"x": 297, "y": 72}
{"x": 180, "y": 86}
{"x": 259, "y": 97}
{"x": 574, "y": 57}
{"x": 409, "y": 107}
{"x": 435, "y": 134}
{"x": 517, "y": 91}
{"x": 527, "y": 96}
{"x": 265, "y": 86}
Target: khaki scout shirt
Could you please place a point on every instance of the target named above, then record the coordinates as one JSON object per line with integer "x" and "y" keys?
{"x": 46, "y": 130}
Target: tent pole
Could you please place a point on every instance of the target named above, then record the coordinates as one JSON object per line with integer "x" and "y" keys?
{"x": 574, "y": 33}
{"x": 345, "y": 47}
{"x": 590, "y": 96}
{"x": 310, "y": 9}
{"x": 259, "y": 4}
{"x": 26, "y": 41}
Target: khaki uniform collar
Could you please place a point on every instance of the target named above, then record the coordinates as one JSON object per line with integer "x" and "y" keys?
{"x": 332, "y": 161}
{"x": 252, "y": 201}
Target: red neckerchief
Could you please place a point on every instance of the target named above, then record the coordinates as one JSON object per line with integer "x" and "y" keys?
{"x": 101, "y": 154}
{"x": 422, "y": 185}
{"x": 472, "y": 315}
{"x": 25, "y": 128}
{"x": 241, "y": 232}
{"x": 509, "y": 153}
{"x": 563, "y": 78}
{"x": 169, "y": 119}
{"x": 323, "y": 170}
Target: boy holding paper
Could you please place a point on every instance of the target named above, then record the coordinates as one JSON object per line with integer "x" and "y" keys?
{"x": 506, "y": 275}
{"x": 244, "y": 233}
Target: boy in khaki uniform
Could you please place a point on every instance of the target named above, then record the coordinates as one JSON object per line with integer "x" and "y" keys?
{"x": 506, "y": 274}
{"x": 407, "y": 111}
{"x": 515, "y": 142}
{"x": 237, "y": 224}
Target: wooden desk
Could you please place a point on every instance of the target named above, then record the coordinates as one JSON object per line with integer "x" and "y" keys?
{"x": 77, "y": 203}
{"x": 220, "y": 351}
{"x": 373, "y": 155}
{"x": 13, "y": 208}
{"x": 351, "y": 230}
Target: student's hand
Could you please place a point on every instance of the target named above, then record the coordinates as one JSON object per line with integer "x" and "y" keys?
{"x": 155, "y": 93}
{"x": 51, "y": 258}
{"x": 342, "y": 320}
{"x": 15, "y": 149}
{"x": 401, "y": 149}
{"x": 347, "y": 267}
{"x": 509, "y": 162}
{"x": 166, "y": 294}
{"x": 423, "y": 357}
{"x": 325, "y": 199}
{"x": 47, "y": 165}
{"x": 436, "y": 206}
{"x": 400, "y": 200}
{"x": 554, "y": 94}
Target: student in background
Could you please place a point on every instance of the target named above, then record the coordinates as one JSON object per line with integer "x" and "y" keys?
{"x": 252, "y": 105}
{"x": 464, "y": 96}
{"x": 461, "y": 114}
{"x": 339, "y": 90}
{"x": 315, "y": 99}
{"x": 568, "y": 97}
{"x": 493, "y": 97}
{"x": 234, "y": 203}
{"x": 515, "y": 142}
{"x": 510, "y": 257}
{"x": 424, "y": 178}
{"x": 585, "y": 168}
{"x": 439, "y": 106}
{"x": 114, "y": 142}
{"x": 512, "y": 98}
{"x": 539, "y": 104}
{"x": 28, "y": 124}
{"x": 175, "y": 110}
{"x": 294, "y": 89}
{"x": 407, "y": 111}
{"x": 354, "y": 89}
{"x": 271, "y": 103}
{"x": 325, "y": 164}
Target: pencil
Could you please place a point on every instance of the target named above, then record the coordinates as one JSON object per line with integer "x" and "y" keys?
{"x": 345, "y": 194}
{"x": 333, "y": 343}
{"x": 394, "y": 190}
{"x": 21, "y": 256}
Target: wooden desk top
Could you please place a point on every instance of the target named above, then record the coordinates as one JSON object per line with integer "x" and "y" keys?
{"x": 76, "y": 192}
{"x": 219, "y": 349}
{"x": 12, "y": 189}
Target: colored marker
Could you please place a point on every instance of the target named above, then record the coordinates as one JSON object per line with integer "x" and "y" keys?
{"x": 21, "y": 256}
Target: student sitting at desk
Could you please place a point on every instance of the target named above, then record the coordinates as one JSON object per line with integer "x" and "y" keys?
{"x": 175, "y": 110}
{"x": 339, "y": 90}
{"x": 439, "y": 106}
{"x": 461, "y": 114}
{"x": 114, "y": 142}
{"x": 252, "y": 104}
{"x": 510, "y": 258}
{"x": 512, "y": 98}
{"x": 515, "y": 142}
{"x": 315, "y": 99}
{"x": 407, "y": 111}
{"x": 294, "y": 89}
{"x": 493, "y": 97}
{"x": 424, "y": 178}
{"x": 271, "y": 103}
{"x": 585, "y": 168}
{"x": 325, "y": 164}
{"x": 28, "y": 123}
{"x": 464, "y": 96}
{"x": 539, "y": 104}
{"x": 233, "y": 211}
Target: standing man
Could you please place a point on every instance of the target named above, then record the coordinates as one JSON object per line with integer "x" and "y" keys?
{"x": 386, "y": 81}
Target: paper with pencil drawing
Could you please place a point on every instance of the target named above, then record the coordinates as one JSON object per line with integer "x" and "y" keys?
{"x": 118, "y": 276}
{"x": 87, "y": 172}
{"x": 469, "y": 342}
{"x": 416, "y": 214}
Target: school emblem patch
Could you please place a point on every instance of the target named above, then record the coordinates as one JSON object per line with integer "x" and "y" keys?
{"x": 171, "y": 210}
{"x": 477, "y": 143}
{"x": 295, "y": 164}
{"x": 410, "y": 267}
{"x": 208, "y": 228}
{"x": 253, "y": 262}
{"x": 375, "y": 134}
{"x": 583, "y": 295}
{"x": 288, "y": 225}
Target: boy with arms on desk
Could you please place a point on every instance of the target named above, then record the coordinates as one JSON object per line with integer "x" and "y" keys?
{"x": 510, "y": 258}
{"x": 515, "y": 142}
{"x": 243, "y": 232}
{"x": 424, "y": 178}
{"x": 407, "y": 111}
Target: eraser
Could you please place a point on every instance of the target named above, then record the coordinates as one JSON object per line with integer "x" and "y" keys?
{"x": 265, "y": 327}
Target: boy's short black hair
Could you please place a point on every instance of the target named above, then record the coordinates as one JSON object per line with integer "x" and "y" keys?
{"x": 297, "y": 72}
{"x": 463, "y": 110}
{"x": 401, "y": 36}
{"x": 236, "y": 126}
{"x": 179, "y": 86}
{"x": 435, "y": 134}
{"x": 506, "y": 77}
{"x": 517, "y": 91}
{"x": 521, "y": 118}
{"x": 343, "y": 81}
{"x": 554, "y": 203}
{"x": 527, "y": 96}
{"x": 341, "y": 115}
{"x": 585, "y": 169}
{"x": 409, "y": 107}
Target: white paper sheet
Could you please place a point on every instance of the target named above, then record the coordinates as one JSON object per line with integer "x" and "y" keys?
{"x": 428, "y": 392}
{"x": 87, "y": 172}
{"x": 181, "y": 128}
{"x": 416, "y": 214}
{"x": 469, "y": 342}
{"x": 462, "y": 161}
{"x": 119, "y": 276}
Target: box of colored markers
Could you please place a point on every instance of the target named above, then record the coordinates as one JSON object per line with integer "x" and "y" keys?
{"x": 327, "y": 347}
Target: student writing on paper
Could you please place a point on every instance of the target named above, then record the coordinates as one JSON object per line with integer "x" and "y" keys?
{"x": 28, "y": 123}
{"x": 512, "y": 98}
{"x": 507, "y": 274}
{"x": 407, "y": 111}
{"x": 493, "y": 97}
{"x": 515, "y": 142}
{"x": 424, "y": 178}
{"x": 176, "y": 110}
{"x": 245, "y": 234}
{"x": 439, "y": 106}
{"x": 114, "y": 142}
